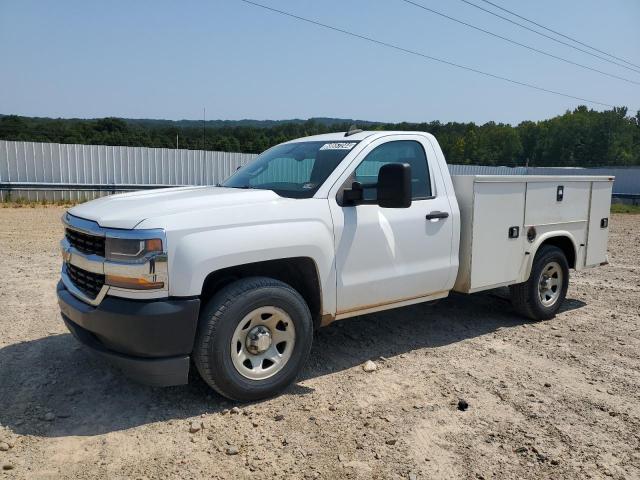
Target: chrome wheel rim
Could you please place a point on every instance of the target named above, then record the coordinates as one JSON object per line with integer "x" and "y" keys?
{"x": 262, "y": 343}
{"x": 550, "y": 284}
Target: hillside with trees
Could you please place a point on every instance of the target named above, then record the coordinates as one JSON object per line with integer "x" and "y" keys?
{"x": 578, "y": 138}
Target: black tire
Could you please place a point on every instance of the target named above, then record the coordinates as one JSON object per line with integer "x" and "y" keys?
{"x": 525, "y": 297}
{"x": 218, "y": 321}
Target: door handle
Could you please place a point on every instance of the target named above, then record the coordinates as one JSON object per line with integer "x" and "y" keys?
{"x": 437, "y": 215}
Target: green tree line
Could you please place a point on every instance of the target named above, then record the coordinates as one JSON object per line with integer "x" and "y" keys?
{"x": 582, "y": 137}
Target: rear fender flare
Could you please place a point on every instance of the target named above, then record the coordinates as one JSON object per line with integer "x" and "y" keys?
{"x": 539, "y": 241}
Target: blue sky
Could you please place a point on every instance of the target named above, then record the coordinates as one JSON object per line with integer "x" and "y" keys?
{"x": 169, "y": 59}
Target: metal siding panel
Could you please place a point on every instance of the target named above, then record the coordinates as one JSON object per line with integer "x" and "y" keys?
{"x": 4, "y": 164}
{"x": 65, "y": 163}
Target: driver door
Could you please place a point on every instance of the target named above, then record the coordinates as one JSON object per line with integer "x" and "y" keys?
{"x": 392, "y": 255}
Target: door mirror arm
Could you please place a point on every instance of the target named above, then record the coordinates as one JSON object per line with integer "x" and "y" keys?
{"x": 353, "y": 196}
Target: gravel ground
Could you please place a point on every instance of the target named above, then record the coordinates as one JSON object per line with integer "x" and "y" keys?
{"x": 556, "y": 399}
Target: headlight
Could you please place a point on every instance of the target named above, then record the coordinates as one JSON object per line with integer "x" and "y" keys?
{"x": 131, "y": 250}
{"x": 137, "y": 262}
{"x": 133, "y": 283}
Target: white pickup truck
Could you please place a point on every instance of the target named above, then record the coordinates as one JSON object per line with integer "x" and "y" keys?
{"x": 235, "y": 278}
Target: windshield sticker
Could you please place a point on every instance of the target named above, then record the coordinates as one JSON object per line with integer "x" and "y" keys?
{"x": 308, "y": 186}
{"x": 338, "y": 146}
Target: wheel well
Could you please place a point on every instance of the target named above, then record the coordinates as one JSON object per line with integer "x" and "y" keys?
{"x": 298, "y": 272}
{"x": 566, "y": 245}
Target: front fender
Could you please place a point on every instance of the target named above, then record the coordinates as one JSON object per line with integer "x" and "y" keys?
{"x": 196, "y": 254}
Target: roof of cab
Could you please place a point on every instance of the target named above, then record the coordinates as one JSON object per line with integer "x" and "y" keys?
{"x": 340, "y": 136}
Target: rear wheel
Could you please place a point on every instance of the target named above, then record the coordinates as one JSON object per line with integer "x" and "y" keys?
{"x": 253, "y": 338}
{"x": 541, "y": 296}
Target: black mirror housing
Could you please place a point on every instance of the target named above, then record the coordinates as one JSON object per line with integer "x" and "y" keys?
{"x": 394, "y": 185}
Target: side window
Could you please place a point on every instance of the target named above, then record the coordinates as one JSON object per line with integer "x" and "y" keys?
{"x": 400, "y": 151}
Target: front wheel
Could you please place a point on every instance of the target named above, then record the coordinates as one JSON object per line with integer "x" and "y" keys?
{"x": 253, "y": 338}
{"x": 541, "y": 296}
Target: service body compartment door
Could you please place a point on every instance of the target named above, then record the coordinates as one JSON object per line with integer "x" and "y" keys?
{"x": 598, "y": 223}
{"x": 496, "y": 256}
{"x": 557, "y": 202}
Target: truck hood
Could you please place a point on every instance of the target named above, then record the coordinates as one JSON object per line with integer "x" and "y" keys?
{"x": 127, "y": 210}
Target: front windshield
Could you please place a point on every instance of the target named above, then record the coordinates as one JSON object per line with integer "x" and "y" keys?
{"x": 294, "y": 170}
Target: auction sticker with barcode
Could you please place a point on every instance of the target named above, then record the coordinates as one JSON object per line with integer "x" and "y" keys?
{"x": 338, "y": 146}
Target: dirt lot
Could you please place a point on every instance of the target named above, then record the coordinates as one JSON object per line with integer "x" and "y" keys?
{"x": 556, "y": 399}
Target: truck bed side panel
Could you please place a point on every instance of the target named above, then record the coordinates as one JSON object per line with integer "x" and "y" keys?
{"x": 549, "y": 206}
{"x": 598, "y": 229}
{"x": 496, "y": 258}
{"x": 488, "y": 256}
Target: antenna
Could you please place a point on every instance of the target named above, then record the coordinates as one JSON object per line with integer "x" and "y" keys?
{"x": 352, "y": 130}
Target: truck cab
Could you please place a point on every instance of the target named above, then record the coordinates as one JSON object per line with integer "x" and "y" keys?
{"x": 233, "y": 279}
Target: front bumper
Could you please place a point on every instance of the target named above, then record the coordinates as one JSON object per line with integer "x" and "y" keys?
{"x": 150, "y": 341}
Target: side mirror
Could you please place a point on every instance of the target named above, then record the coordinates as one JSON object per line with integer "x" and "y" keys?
{"x": 394, "y": 185}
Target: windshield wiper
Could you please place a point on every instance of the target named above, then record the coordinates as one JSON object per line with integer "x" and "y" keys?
{"x": 245, "y": 187}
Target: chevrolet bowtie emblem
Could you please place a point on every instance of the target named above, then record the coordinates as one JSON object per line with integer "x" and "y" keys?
{"x": 66, "y": 254}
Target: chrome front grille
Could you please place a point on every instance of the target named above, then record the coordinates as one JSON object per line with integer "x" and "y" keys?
{"x": 85, "y": 267}
{"x": 89, "y": 283}
{"x": 85, "y": 243}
